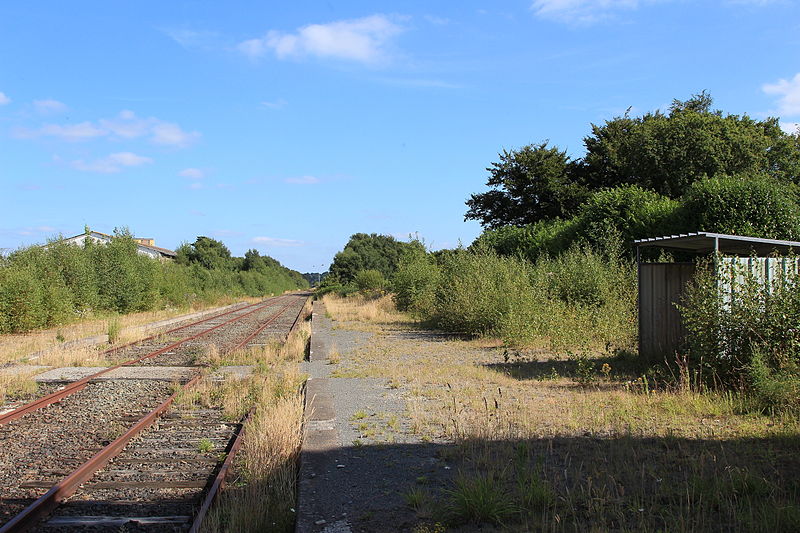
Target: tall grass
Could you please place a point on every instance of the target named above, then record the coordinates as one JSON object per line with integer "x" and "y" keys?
{"x": 580, "y": 298}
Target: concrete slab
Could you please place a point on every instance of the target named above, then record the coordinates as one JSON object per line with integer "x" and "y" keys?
{"x": 67, "y": 374}
{"x": 18, "y": 370}
{"x": 157, "y": 373}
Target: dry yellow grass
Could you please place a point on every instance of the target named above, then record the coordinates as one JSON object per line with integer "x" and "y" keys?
{"x": 364, "y": 312}
{"x": 597, "y": 437}
{"x": 262, "y": 496}
{"x": 17, "y": 346}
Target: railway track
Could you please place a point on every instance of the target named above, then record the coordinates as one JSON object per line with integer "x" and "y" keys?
{"x": 161, "y": 464}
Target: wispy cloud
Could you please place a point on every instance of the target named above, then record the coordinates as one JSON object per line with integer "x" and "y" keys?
{"x": 420, "y": 82}
{"x": 364, "y": 40}
{"x": 303, "y": 180}
{"x": 193, "y": 38}
{"x": 4, "y": 99}
{"x": 788, "y": 93}
{"x": 581, "y": 11}
{"x": 112, "y": 163}
{"x": 126, "y": 125}
{"x": 272, "y": 241}
{"x": 49, "y": 106}
{"x": 790, "y": 127}
{"x": 280, "y": 103}
{"x": 192, "y": 173}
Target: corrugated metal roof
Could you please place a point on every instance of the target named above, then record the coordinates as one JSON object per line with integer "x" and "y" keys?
{"x": 703, "y": 242}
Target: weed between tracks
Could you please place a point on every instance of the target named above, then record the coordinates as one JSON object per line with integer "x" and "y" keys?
{"x": 261, "y": 496}
{"x": 576, "y": 442}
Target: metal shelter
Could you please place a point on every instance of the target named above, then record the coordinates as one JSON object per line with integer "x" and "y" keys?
{"x": 662, "y": 285}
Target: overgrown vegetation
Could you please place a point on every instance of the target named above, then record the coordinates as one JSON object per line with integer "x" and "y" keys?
{"x": 580, "y": 298}
{"x": 744, "y": 331}
{"x": 544, "y": 441}
{"x": 60, "y": 283}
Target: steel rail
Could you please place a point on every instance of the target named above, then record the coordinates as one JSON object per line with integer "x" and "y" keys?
{"x": 262, "y": 328}
{"x": 40, "y": 508}
{"x": 219, "y": 479}
{"x": 46, "y": 503}
{"x": 76, "y": 386}
{"x": 173, "y": 330}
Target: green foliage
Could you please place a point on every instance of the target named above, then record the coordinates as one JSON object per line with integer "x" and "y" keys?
{"x": 667, "y": 153}
{"x": 208, "y": 252}
{"x": 414, "y": 283}
{"x": 579, "y": 298}
{"x": 369, "y": 252}
{"x": 758, "y": 206}
{"x": 370, "y": 282}
{"x": 661, "y": 153}
{"x": 527, "y": 185}
{"x": 744, "y": 331}
{"x": 42, "y": 287}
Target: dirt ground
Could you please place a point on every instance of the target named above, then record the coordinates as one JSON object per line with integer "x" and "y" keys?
{"x": 438, "y": 432}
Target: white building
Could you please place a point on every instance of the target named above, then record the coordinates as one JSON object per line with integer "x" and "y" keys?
{"x": 143, "y": 246}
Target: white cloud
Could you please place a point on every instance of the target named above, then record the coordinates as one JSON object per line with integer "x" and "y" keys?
{"x": 272, "y": 241}
{"x": 192, "y": 173}
{"x": 72, "y": 132}
{"x": 169, "y": 134}
{"x": 277, "y": 104}
{"x": 788, "y": 93}
{"x": 49, "y": 106}
{"x": 126, "y": 125}
{"x": 364, "y": 40}
{"x": 112, "y": 163}
{"x": 580, "y": 11}
{"x": 790, "y": 127}
{"x": 303, "y": 180}
{"x": 4, "y": 99}
{"x": 193, "y": 38}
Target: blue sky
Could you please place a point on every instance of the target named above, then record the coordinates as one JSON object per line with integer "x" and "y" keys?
{"x": 288, "y": 127}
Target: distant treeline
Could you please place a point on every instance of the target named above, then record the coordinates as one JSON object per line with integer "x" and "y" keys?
{"x": 46, "y": 286}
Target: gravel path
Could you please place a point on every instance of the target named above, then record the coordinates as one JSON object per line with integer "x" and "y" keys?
{"x": 360, "y": 485}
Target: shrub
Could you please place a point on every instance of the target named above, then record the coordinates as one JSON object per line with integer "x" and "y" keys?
{"x": 414, "y": 284}
{"x": 745, "y": 333}
{"x": 758, "y": 206}
{"x": 369, "y": 282}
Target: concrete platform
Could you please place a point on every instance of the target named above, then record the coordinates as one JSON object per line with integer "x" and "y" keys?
{"x": 158, "y": 373}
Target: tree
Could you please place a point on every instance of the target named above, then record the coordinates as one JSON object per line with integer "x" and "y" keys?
{"x": 209, "y": 253}
{"x": 527, "y": 185}
{"x": 368, "y": 252}
{"x": 668, "y": 153}
{"x": 663, "y": 153}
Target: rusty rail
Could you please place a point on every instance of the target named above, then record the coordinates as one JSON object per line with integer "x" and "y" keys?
{"x": 40, "y": 508}
{"x": 219, "y": 479}
{"x": 46, "y": 503}
{"x": 76, "y": 386}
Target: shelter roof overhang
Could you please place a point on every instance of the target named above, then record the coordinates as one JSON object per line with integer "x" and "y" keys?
{"x": 704, "y": 242}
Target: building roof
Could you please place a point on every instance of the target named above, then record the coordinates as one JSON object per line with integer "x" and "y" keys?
{"x": 705, "y": 242}
{"x": 162, "y": 251}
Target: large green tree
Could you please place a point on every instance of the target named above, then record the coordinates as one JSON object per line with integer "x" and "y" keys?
{"x": 529, "y": 184}
{"x": 208, "y": 252}
{"x": 661, "y": 152}
{"x": 369, "y": 252}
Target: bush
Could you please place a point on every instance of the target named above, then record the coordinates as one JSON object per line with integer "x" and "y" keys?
{"x": 757, "y": 206}
{"x": 746, "y": 333}
{"x": 42, "y": 287}
{"x": 580, "y": 298}
{"x": 414, "y": 284}
{"x": 370, "y": 282}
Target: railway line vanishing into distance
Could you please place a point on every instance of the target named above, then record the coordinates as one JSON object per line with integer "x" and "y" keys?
{"x": 107, "y": 451}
